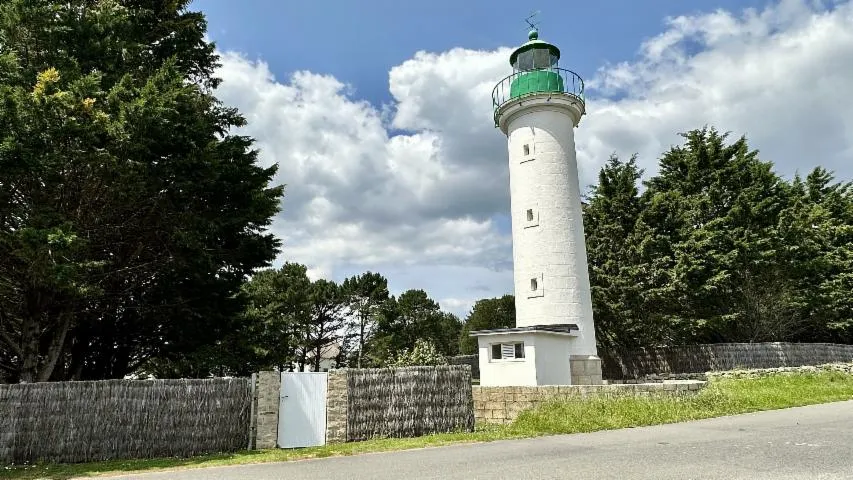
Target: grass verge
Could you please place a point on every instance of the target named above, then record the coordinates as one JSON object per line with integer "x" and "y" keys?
{"x": 721, "y": 397}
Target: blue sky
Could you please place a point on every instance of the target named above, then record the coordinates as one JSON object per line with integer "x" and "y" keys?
{"x": 359, "y": 41}
{"x": 378, "y": 113}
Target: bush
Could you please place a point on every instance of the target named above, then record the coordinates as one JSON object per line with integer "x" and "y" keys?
{"x": 423, "y": 354}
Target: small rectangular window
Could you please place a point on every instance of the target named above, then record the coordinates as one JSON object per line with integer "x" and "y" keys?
{"x": 508, "y": 351}
{"x": 537, "y": 287}
{"x": 528, "y": 150}
{"x": 531, "y": 216}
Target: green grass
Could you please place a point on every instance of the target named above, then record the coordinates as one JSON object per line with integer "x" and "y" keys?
{"x": 721, "y": 397}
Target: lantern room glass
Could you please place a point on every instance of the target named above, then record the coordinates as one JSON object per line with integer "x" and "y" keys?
{"x": 535, "y": 59}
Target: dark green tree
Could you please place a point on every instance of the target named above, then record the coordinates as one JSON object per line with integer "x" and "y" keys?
{"x": 365, "y": 294}
{"x": 327, "y": 321}
{"x": 129, "y": 215}
{"x": 407, "y": 318}
{"x": 708, "y": 244}
{"x": 816, "y": 233}
{"x": 487, "y": 314}
{"x": 610, "y": 225}
{"x": 278, "y": 309}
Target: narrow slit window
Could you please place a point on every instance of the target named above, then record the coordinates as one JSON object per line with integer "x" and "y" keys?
{"x": 526, "y": 149}
{"x": 534, "y": 284}
{"x": 529, "y": 214}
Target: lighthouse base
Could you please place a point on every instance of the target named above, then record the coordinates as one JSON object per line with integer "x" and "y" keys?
{"x": 536, "y": 355}
{"x": 586, "y": 370}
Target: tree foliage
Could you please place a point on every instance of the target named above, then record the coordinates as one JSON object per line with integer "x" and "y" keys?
{"x": 405, "y": 319}
{"x": 718, "y": 248}
{"x": 129, "y": 215}
{"x": 487, "y": 314}
{"x": 366, "y": 294}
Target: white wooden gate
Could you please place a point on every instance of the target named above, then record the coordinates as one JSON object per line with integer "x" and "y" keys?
{"x": 302, "y": 409}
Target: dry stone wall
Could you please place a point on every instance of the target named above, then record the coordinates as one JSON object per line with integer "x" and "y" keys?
{"x": 117, "y": 419}
{"x": 844, "y": 368}
{"x": 503, "y": 404}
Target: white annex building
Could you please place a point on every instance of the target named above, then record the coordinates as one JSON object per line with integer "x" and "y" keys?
{"x": 538, "y": 107}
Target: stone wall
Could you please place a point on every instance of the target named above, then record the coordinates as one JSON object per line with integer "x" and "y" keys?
{"x": 503, "y": 404}
{"x": 635, "y": 364}
{"x": 843, "y": 368}
{"x": 586, "y": 370}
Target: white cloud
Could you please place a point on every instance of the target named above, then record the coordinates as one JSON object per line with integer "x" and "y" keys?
{"x": 778, "y": 75}
{"x": 421, "y": 206}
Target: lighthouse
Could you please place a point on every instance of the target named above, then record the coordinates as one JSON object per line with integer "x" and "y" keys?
{"x": 538, "y": 107}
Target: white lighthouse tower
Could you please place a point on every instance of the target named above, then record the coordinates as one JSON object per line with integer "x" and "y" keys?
{"x": 538, "y": 107}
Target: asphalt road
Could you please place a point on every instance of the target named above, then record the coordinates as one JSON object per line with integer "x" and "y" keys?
{"x": 812, "y": 443}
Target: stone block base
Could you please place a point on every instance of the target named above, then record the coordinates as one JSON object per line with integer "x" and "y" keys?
{"x": 586, "y": 370}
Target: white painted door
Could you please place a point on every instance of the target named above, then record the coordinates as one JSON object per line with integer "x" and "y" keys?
{"x": 302, "y": 409}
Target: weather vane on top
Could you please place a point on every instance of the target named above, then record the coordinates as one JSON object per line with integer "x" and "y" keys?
{"x": 530, "y": 22}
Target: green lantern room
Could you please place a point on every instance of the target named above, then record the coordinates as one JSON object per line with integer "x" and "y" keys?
{"x": 535, "y": 63}
{"x": 536, "y": 70}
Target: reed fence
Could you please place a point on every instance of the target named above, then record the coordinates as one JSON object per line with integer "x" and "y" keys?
{"x": 119, "y": 419}
{"x": 408, "y": 401}
{"x": 637, "y": 363}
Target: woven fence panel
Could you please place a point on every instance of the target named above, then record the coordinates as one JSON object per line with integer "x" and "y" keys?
{"x": 718, "y": 357}
{"x": 471, "y": 360}
{"x": 122, "y": 419}
{"x": 409, "y": 401}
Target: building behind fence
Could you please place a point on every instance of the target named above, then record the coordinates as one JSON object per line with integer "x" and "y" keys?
{"x": 633, "y": 364}
{"x": 118, "y": 419}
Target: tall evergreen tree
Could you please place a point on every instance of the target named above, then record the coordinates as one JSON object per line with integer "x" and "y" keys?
{"x": 365, "y": 293}
{"x": 130, "y": 215}
{"x": 709, "y": 243}
{"x": 610, "y": 220}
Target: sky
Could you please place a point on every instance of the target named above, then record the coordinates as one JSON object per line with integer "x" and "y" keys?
{"x": 378, "y": 113}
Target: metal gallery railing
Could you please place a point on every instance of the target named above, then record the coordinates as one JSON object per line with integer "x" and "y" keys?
{"x": 531, "y": 82}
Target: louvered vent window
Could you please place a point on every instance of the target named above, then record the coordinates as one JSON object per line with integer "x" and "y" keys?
{"x": 508, "y": 351}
